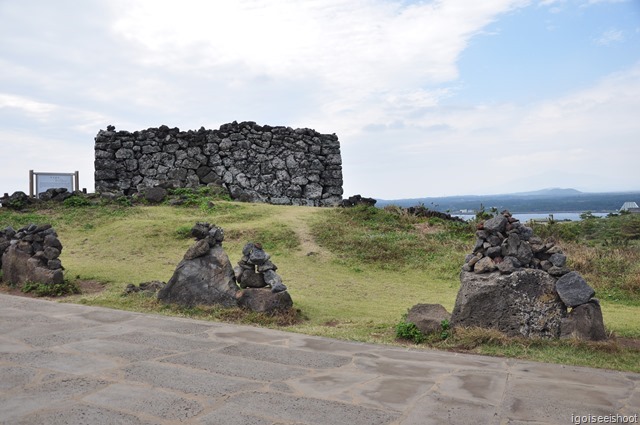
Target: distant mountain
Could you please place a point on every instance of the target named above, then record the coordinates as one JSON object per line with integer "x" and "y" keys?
{"x": 548, "y": 193}
{"x": 552, "y": 200}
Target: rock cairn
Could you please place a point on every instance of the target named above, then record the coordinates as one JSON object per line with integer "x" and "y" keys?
{"x": 205, "y": 276}
{"x": 506, "y": 245}
{"x": 517, "y": 283}
{"x": 31, "y": 254}
{"x": 277, "y": 165}
{"x": 255, "y": 269}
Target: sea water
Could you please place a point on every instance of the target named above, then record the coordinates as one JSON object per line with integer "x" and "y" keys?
{"x": 557, "y": 216}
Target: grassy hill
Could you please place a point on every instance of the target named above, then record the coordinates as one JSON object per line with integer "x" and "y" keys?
{"x": 352, "y": 273}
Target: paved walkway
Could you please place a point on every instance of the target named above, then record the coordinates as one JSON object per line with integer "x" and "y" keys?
{"x": 73, "y": 364}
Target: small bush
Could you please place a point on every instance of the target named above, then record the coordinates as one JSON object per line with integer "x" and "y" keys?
{"x": 76, "y": 202}
{"x": 409, "y": 331}
{"x": 54, "y": 290}
{"x": 123, "y": 201}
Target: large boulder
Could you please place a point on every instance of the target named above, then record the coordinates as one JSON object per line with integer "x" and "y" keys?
{"x": 155, "y": 195}
{"x": 523, "y": 303}
{"x": 204, "y": 280}
{"x": 584, "y": 322}
{"x": 263, "y": 300}
{"x": 428, "y": 318}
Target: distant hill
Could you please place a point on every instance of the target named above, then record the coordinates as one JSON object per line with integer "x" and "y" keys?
{"x": 553, "y": 200}
{"x": 547, "y": 193}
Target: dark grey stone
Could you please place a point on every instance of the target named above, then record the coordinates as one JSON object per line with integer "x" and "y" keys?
{"x": 274, "y": 280}
{"x": 263, "y": 300}
{"x": 509, "y": 265}
{"x": 428, "y": 318}
{"x": 494, "y": 251}
{"x": 558, "y": 260}
{"x": 584, "y": 322}
{"x": 496, "y": 224}
{"x": 574, "y": 290}
{"x": 155, "y": 195}
{"x": 250, "y": 279}
{"x": 258, "y": 256}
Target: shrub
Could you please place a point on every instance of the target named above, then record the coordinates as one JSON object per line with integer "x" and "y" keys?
{"x": 53, "y": 290}
{"x": 76, "y": 202}
{"x": 409, "y": 331}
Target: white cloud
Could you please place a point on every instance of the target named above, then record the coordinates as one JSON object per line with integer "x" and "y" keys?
{"x": 587, "y": 140}
{"x": 610, "y": 36}
{"x": 354, "y": 53}
{"x": 39, "y": 110}
{"x": 383, "y": 75}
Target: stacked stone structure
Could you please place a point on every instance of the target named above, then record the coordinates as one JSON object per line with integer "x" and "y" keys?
{"x": 519, "y": 284}
{"x": 256, "y": 270}
{"x": 205, "y": 276}
{"x": 277, "y": 165}
{"x": 506, "y": 245}
{"x": 31, "y": 254}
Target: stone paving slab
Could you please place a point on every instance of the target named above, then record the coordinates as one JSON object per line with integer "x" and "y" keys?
{"x": 74, "y": 364}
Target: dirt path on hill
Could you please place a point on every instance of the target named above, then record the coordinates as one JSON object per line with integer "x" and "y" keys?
{"x": 299, "y": 220}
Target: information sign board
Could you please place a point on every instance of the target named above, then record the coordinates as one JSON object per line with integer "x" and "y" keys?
{"x": 40, "y": 182}
{"x": 45, "y": 181}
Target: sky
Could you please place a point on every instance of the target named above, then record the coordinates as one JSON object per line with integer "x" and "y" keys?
{"x": 428, "y": 98}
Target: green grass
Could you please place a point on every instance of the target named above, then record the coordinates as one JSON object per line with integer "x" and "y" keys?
{"x": 352, "y": 273}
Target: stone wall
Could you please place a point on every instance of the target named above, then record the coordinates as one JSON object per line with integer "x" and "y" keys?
{"x": 277, "y": 165}
{"x": 30, "y": 254}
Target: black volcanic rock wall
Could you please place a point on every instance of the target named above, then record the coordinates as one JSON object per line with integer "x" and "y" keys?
{"x": 277, "y": 165}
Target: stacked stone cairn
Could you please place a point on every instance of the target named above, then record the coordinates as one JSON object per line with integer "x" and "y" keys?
{"x": 255, "y": 269}
{"x": 506, "y": 245}
{"x": 31, "y": 254}
{"x": 205, "y": 276}
{"x": 517, "y": 283}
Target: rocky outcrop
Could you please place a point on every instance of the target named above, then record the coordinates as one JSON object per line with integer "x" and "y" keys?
{"x": 277, "y": 165}
{"x": 520, "y": 285}
{"x": 31, "y": 254}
